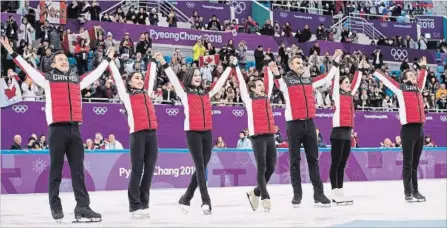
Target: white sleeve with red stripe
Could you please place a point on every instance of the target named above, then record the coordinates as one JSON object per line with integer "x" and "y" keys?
{"x": 268, "y": 81}
{"x": 324, "y": 79}
{"x": 245, "y": 96}
{"x": 388, "y": 81}
{"x": 355, "y": 84}
{"x": 422, "y": 78}
{"x": 29, "y": 70}
{"x": 88, "y": 78}
{"x": 178, "y": 87}
{"x": 151, "y": 75}
{"x": 120, "y": 86}
{"x": 220, "y": 82}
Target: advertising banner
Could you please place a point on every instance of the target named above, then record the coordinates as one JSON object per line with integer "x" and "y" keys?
{"x": 393, "y": 29}
{"x": 432, "y": 25}
{"x": 298, "y": 19}
{"x": 205, "y": 9}
{"x": 28, "y": 173}
{"x": 108, "y": 119}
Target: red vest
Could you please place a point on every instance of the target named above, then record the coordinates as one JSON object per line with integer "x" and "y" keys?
{"x": 413, "y": 103}
{"x": 344, "y": 110}
{"x": 260, "y": 117}
{"x": 300, "y": 96}
{"x": 143, "y": 112}
{"x": 64, "y": 104}
{"x": 198, "y": 115}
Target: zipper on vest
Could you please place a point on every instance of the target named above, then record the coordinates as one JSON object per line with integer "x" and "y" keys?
{"x": 305, "y": 100}
{"x": 147, "y": 111}
{"x": 69, "y": 100}
{"x": 267, "y": 110}
{"x": 203, "y": 112}
{"x": 419, "y": 107}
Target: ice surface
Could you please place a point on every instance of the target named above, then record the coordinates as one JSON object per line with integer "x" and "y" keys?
{"x": 373, "y": 201}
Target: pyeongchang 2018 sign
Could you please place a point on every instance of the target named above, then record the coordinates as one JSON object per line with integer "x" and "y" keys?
{"x": 156, "y": 34}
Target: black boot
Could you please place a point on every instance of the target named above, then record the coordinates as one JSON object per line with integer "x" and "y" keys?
{"x": 296, "y": 201}
{"x": 87, "y": 213}
{"x": 320, "y": 198}
{"x": 418, "y": 196}
{"x": 408, "y": 197}
{"x": 57, "y": 214}
{"x": 184, "y": 204}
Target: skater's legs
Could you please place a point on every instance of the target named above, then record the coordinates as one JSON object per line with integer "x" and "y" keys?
{"x": 344, "y": 160}
{"x": 271, "y": 158}
{"x": 336, "y": 158}
{"x": 311, "y": 149}
{"x": 137, "y": 151}
{"x": 417, "y": 152}
{"x": 294, "y": 132}
{"x": 195, "y": 146}
{"x": 150, "y": 158}
{"x": 75, "y": 157}
{"x": 57, "y": 143}
{"x": 259, "y": 144}
{"x": 408, "y": 145}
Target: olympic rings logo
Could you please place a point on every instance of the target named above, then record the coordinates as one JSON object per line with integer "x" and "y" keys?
{"x": 190, "y": 4}
{"x": 443, "y": 118}
{"x": 238, "y": 112}
{"x": 100, "y": 110}
{"x": 283, "y": 15}
{"x": 20, "y": 108}
{"x": 239, "y": 7}
{"x": 322, "y": 19}
{"x": 172, "y": 111}
{"x": 384, "y": 24}
{"x": 399, "y": 54}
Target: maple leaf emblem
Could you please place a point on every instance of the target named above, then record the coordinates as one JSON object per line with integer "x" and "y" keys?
{"x": 209, "y": 60}
{"x": 10, "y": 93}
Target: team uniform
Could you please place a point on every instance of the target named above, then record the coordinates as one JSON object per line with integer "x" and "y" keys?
{"x": 299, "y": 113}
{"x": 63, "y": 110}
{"x": 412, "y": 119}
{"x": 198, "y": 127}
{"x": 342, "y": 124}
{"x": 143, "y": 138}
{"x": 261, "y": 129}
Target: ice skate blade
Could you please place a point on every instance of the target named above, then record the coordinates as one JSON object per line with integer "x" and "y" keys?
{"x": 59, "y": 221}
{"x": 319, "y": 204}
{"x": 416, "y": 200}
{"x": 252, "y": 206}
{"x": 266, "y": 210}
{"x": 184, "y": 208}
{"x": 206, "y": 212}
{"x": 296, "y": 205}
{"x": 87, "y": 220}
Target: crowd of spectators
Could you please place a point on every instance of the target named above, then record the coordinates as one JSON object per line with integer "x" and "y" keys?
{"x": 134, "y": 55}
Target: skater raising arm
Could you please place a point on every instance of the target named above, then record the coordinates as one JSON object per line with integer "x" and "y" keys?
{"x": 389, "y": 82}
{"x": 355, "y": 84}
{"x": 120, "y": 86}
{"x": 35, "y": 75}
{"x": 326, "y": 78}
{"x": 215, "y": 87}
{"x": 178, "y": 86}
{"x": 422, "y": 77}
{"x": 90, "y": 77}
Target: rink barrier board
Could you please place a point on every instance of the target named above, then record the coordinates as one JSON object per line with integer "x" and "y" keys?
{"x": 27, "y": 171}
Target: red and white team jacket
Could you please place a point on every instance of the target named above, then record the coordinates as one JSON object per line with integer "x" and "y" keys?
{"x": 62, "y": 91}
{"x": 196, "y": 102}
{"x": 411, "y": 104}
{"x": 299, "y": 95}
{"x": 343, "y": 101}
{"x": 140, "y": 109}
{"x": 259, "y": 110}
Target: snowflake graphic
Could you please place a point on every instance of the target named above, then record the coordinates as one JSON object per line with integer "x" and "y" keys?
{"x": 215, "y": 159}
{"x": 243, "y": 158}
{"x": 16, "y": 181}
{"x": 66, "y": 185}
{"x": 39, "y": 165}
{"x": 87, "y": 166}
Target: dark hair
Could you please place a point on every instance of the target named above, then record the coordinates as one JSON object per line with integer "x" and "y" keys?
{"x": 252, "y": 84}
{"x": 404, "y": 74}
{"x": 342, "y": 78}
{"x": 129, "y": 78}
{"x": 60, "y": 52}
{"x": 187, "y": 79}
{"x": 293, "y": 58}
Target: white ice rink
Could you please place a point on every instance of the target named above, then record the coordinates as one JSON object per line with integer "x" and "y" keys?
{"x": 373, "y": 201}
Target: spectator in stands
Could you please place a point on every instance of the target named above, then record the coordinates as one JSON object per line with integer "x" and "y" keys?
{"x": 131, "y": 16}
{"x": 99, "y": 143}
{"x": 113, "y": 144}
{"x": 32, "y": 145}
{"x": 95, "y": 10}
{"x": 153, "y": 17}
{"x": 43, "y": 142}
{"x": 25, "y": 31}
{"x": 89, "y": 144}
{"x": 142, "y": 16}
{"x": 73, "y": 10}
{"x": 11, "y": 30}
{"x": 422, "y": 42}
{"x": 172, "y": 19}
{"x": 259, "y": 57}
{"x": 306, "y": 34}
{"x": 278, "y": 136}
{"x": 267, "y": 29}
{"x": 321, "y": 33}
{"x": 398, "y": 142}
{"x": 441, "y": 91}
{"x": 198, "y": 50}
{"x": 220, "y": 143}
{"x": 377, "y": 57}
{"x": 250, "y": 25}
{"x": 354, "y": 139}
{"x": 29, "y": 90}
{"x": 106, "y": 18}
{"x": 243, "y": 142}
{"x": 46, "y": 60}
{"x": 214, "y": 24}
{"x": 387, "y": 143}
{"x": 287, "y": 30}
{"x": 81, "y": 51}
{"x": 442, "y": 102}
{"x": 428, "y": 142}
{"x": 17, "y": 144}
{"x": 320, "y": 141}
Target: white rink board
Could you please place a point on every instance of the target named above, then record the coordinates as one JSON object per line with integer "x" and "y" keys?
{"x": 373, "y": 201}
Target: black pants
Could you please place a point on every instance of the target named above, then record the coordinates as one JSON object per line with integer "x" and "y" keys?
{"x": 200, "y": 145}
{"x": 303, "y": 131}
{"x": 65, "y": 138}
{"x": 412, "y": 136}
{"x": 265, "y": 154}
{"x": 143, "y": 155}
{"x": 340, "y": 150}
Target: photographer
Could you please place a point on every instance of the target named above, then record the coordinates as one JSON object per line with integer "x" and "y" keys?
{"x": 11, "y": 30}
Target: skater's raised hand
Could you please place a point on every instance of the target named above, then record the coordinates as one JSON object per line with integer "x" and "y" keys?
{"x": 233, "y": 60}
{"x": 423, "y": 61}
{"x": 159, "y": 57}
{"x": 111, "y": 52}
{"x": 363, "y": 64}
{"x": 274, "y": 68}
{"x": 337, "y": 55}
{"x": 6, "y": 44}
